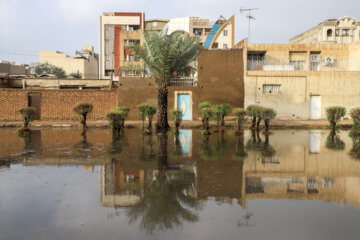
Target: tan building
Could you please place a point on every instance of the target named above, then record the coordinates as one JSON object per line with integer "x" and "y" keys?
{"x": 155, "y": 24}
{"x": 85, "y": 63}
{"x": 301, "y": 80}
{"x": 341, "y": 30}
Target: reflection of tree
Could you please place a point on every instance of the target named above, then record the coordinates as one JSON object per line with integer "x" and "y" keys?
{"x": 355, "y": 150}
{"x": 177, "y": 150}
{"x": 118, "y": 143}
{"x": 83, "y": 145}
{"x": 256, "y": 144}
{"x": 146, "y": 152}
{"x": 334, "y": 142}
{"x": 216, "y": 150}
{"x": 29, "y": 147}
{"x": 240, "y": 148}
{"x": 167, "y": 201}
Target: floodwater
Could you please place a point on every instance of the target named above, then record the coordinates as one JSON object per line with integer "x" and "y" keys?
{"x": 293, "y": 184}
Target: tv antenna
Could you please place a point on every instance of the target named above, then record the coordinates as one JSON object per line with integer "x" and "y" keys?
{"x": 249, "y": 16}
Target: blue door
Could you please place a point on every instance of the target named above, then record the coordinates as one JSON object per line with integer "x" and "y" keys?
{"x": 183, "y": 103}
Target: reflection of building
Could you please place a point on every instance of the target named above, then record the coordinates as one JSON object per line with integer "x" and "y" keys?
{"x": 328, "y": 176}
{"x": 341, "y": 30}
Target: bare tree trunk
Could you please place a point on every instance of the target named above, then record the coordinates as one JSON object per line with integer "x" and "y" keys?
{"x": 83, "y": 121}
{"x": 162, "y": 119}
{"x": 258, "y": 122}
{"x": 267, "y": 124}
{"x": 253, "y": 123}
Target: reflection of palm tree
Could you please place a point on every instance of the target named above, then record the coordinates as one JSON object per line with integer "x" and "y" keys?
{"x": 334, "y": 142}
{"x": 217, "y": 149}
{"x": 166, "y": 201}
{"x": 266, "y": 149}
{"x": 256, "y": 144}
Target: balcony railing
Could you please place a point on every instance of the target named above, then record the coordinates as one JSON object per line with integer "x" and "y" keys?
{"x": 183, "y": 81}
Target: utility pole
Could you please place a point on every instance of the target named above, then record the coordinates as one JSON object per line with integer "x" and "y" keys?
{"x": 249, "y": 16}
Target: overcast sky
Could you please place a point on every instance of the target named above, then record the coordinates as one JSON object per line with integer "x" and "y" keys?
{"x": 27, "y": 26}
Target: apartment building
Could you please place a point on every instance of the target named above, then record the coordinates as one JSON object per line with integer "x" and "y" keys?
{"x": 301, "y": 80}
{"x": 85, "y": 62}
{"x": 116, "y": 31}
{"x": 341, "y": 30}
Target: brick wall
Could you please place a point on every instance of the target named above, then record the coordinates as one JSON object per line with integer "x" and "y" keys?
{"x": 57, "y": 104}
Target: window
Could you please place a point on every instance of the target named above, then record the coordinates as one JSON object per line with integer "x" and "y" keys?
{"x": 107, "y": 41}
{"x": 225, "y": 33}
{"x": 123, "y": 27}
{"x": 315, "y": 61}
{"x": 225, "y": 46}
{"x": 271, "y": 88}
{"x": 345, "y": 32}
{"x": 329, "y": 33}
{"x": 337, "y": 32}
{"x": 215, "y": 45}
{"x": 197, "y": 31}
{"x": 108, "y": 57}
{"x": 107, "y": 27}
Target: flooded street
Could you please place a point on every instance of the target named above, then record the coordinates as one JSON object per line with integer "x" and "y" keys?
{"x": 292, "y": 184}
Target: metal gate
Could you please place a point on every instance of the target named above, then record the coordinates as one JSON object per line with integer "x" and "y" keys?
{"x": 34, "y": 100}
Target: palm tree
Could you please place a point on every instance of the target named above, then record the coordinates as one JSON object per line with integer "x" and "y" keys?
{"x": 165, "y": 57}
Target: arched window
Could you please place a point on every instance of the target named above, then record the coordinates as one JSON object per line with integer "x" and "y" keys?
{"x": 329, "y": 33}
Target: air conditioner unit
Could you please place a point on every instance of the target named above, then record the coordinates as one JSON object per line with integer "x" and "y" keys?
{"x": 131, "y": 29}
{"x": 329, "y": 61}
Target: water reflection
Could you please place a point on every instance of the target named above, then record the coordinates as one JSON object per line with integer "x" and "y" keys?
{"x": 334, "y": 142}
{"x": 170, "y": 192}
{"x": 355, "y": 150}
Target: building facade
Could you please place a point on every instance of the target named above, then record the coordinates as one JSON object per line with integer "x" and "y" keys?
{"x": 341, "y": 30}
{"x": 116, "y": 31}
{"x": 301, "y": 80}
{"x": 11, "y": 68}
{"x": 86, "y": 62}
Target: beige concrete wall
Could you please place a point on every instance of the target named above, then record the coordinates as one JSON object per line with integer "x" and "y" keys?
{"x": 88, "y": 68}
{"x": 55, "y": 83}
{"x": 221, "y": 39}
{"x": 293, "y": 101}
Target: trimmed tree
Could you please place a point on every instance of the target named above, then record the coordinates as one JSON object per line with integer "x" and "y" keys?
{"x": 83, "y": 109}
{"x": 150, "y": 112}
{"x": 142, "y": 112}
{"x": 334, "y": 115}
{"x": 27, "y": 115}
{"x": 240, "y": 115}
{"x": 206, "y": 112}
{"x": 253, "y": 111}
{"x": 166, "y": 57}
{"x": 267, "y": 114}
{"x": 220, "y": 112}
{"x": 116, "y": 117}
{"x": 176, "y": 115}
{"x": 355, "y": 130}
{"x": 46, "y": 68}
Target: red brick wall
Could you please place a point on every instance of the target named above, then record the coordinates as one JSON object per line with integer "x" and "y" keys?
{"x": 57, "y": 104}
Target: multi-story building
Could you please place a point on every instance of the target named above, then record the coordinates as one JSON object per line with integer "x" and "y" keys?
{"x": 218, "y": 35}
{"x": 341, "y": 30}
{"x": 85, "y": 62}
{"x": 116, "y": 31}
{"x": 11, "y": 68}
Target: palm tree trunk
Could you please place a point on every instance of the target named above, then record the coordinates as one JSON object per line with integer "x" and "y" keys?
{"x": 258, "y": 122}
{"x": 162, "y": 118}
{"x": 253, "y": 123}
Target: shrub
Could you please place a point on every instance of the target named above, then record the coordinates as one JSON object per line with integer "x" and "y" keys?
{"x": 83, "y": 109}
{"x": 334, "y": 114}
{"x": 116, "y": 117}
{"x": 220, "y": 112}
{"x": 240, "y": 115}
{"x": 334, "y": 142}
{"x": 46, "y": 68}
{"x": 355, "y": 115}
{"x": 27, "y": 114}
{"x": 254, "y": 111}
{"x": 150, "y": 113}
{"x": 76, "y": 75}
{"x": 206, "y": 113}
{"x": 142, "y": 111}
{"x": 267, "y": 114}
{"x": 176, "y": 115}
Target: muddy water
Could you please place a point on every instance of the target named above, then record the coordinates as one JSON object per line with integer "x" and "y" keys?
{"x": 63, "y": 184}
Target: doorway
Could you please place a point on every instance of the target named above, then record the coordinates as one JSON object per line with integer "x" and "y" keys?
{"x": 183, "y": 101}
{"x": 315, "y": 107}
{"x": 34, "y": 100}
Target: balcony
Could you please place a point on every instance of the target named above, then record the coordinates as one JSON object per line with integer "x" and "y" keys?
{"x": 183, "y": 81}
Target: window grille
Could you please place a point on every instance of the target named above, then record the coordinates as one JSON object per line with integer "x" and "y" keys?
{"x": 271, "y": 88}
